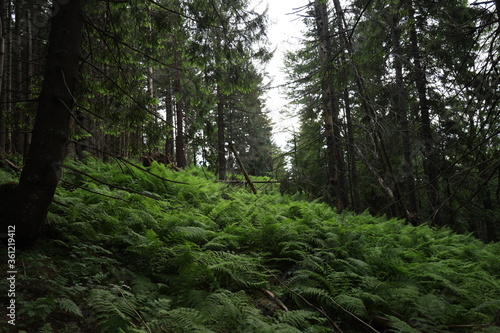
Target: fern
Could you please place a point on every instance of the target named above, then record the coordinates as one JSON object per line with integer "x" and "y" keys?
{"x": 112, "y": 311}
{"x": 69, "y": 306}
{"x": 300, "y": 319}
{"x": 193, "y": 257}
{"x": 46, "y": 328}
{"x": 232, "y": 270}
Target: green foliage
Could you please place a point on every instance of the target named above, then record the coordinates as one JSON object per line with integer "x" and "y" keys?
{"x": 203, "y": 257}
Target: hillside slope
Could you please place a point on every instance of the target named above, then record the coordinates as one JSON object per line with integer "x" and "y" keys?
{"x": 127, "y": 251}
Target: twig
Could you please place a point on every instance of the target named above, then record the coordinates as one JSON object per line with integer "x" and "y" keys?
{"x": 275, "y": 299}
{"x": 253, "y": 181}
{"x": 61, "y": 203}
{"x": 94, "y": 192}
{"x": 107, "y": 184}
{"x": 128, "y": 162}
{"x": 12, "y": 165}
{"x": 330, "y": 320}
{"x": 135, "y": 310}
{"x": 321, "y": 310}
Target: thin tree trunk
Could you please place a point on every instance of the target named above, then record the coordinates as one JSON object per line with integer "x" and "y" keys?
{"x": 3, "y": 127}
{"x": 30, "y": 74}
{"x": 351, "y": 153}
{"x": 426, "y": 132}
{"x": 221, "y": 143}
{"x": 169, "y": 141}
{"x": 179, "y": 139}
{"x": 353, "y": 173}
{"x": 335, "y": 161}
{"x": 367, "y": 106}
{"x": 27, "y": 208}
{"x": 18, "y": 137}
{"x": 8, "y": 78}
{"x": 402, "y": 114}
{"x": 242, "y": 167}
{"x": 2, "y": 44}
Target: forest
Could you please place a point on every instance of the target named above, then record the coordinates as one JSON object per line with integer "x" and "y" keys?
{"x": 141, "y": 188}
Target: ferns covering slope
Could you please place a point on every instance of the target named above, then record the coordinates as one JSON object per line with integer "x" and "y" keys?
{"x": 155, "y": 256}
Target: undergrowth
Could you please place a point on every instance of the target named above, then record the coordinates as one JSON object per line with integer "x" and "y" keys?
{"x": 135, "y": 253}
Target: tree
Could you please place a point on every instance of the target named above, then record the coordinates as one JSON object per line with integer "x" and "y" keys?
{"x": 27, "y": 207}
{"x": 335, "y": 159}
{"x": 224, "y": 47}
{"x": 401, "y": 109}
{"x": 417, "y": 89}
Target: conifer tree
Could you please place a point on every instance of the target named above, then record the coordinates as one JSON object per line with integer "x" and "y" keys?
{"x": 27, "y": 207}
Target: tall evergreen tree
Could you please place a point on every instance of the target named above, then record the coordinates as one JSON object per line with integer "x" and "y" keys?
{"x": 27, "y": 207}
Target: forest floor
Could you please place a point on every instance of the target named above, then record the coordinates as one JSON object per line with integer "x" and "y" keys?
{"x": 131, "y": 251}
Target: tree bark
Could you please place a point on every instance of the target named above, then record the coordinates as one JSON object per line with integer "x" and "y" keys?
{"x": 242, "y": 167}
{"x": 426, "y": 132}
{"x": 351, "y": 153}
{"x": 18, "y": 116}
{"x": 27, "y": 208}
{"x": 180, "y": 148}
{"x": 169, "y": 140}
{"x": 221, "y": 137}
{"x": 396, "y": 206}
{"x": 353, "y": 173}
{"x": 2, "y": 62}
{"x": 402, "y": 114}
{"x": 8, "y": 63}
{"x": 335, "y": 161}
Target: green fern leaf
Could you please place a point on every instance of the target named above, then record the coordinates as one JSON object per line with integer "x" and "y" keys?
{"x": 69, "y": 306}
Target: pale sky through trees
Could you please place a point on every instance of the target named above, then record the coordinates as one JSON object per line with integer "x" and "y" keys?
{"x": 285, "y": 30}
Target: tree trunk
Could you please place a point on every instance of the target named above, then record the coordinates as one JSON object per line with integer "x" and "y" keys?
{"x": 2, "y": 62}
{"x": 180, "y": 148}
{"x": 335, "y": 161}
{"x": 402, "y": 114}
{"x": 367, "y": 104}
{"x": 30, "y": 71}
{"x": 353, "y": 173}
{"x": 27, "y": 208}
{"x": 351, "y": 153}
{"x": 429, "y": 154}
{"x": 18, "y": 135}
{"x": 8, "y": 76}
{"x": 169, "y": 140}
{"x": 221, "y": 143}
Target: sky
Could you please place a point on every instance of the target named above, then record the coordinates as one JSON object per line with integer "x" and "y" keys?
{"x": 284, "y": 32}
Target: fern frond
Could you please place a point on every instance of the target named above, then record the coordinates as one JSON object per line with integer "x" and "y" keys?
{"x": 352, "y": 304}
{"x": 401, "y": 325}
{"x": 69, "y": 306}
{"x": 300, "y": 319}
{"x": 196, "y": 235}
{"x": 234, "y": 270}
{"x": 112, "y": 311}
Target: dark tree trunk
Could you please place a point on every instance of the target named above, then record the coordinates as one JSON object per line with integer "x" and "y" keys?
{"x": 30, "y": 71}
{"x": 353, "y": 173}
{"x": 426, "y": 132}
{"x": 3, "y": 42}
{"x": 18, "y": 116}
{"x": 27, "y": 208}
{"x": 335, "y": 161}
{"x": 7, "y": 95}
{"x": 393, "y": 191}
{"x": 402, "y": 114}
{"x": 221, "y": 138}
{"x": 169, "y": 141}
